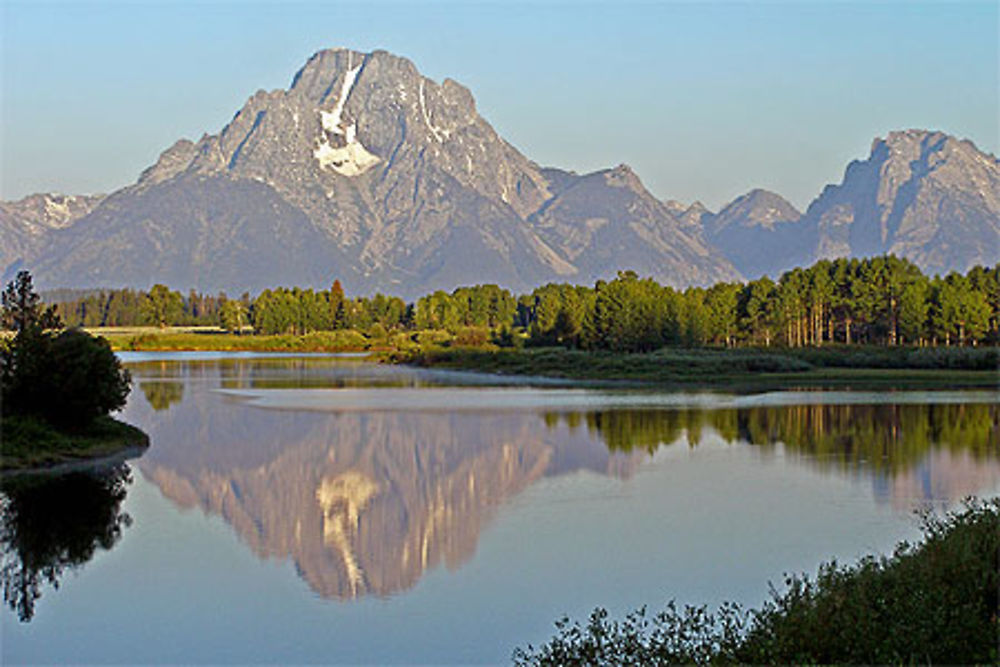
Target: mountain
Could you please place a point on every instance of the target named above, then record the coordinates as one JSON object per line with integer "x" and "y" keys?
{"x": 750, "y": 228}
{"x": 366, "y": 171}
{"x": 922, "y": 195}
{"x": 607, "y": 221}
{"x": 25, "y": 225}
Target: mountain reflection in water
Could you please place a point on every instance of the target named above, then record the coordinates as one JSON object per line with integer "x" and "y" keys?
{"x": 365, "y": 502}
{"x": 51, "y": 524}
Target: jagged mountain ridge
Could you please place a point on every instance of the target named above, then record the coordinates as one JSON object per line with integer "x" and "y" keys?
{"x": 365, "y": 171}
{"x": 922, "y": 195}
{"x": 926, "y": 196}
{"x": 404, "y": 187}
{"x": 26, "y": 224}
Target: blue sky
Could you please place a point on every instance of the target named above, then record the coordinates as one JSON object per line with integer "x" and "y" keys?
{"x": 705, "y": 100}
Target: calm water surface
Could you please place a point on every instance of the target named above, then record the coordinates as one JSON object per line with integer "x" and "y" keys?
{"x": 315, "y": 509}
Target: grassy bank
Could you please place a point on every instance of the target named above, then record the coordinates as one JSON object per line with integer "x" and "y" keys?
{"x": 732, "y": 368}
{"x": 217, "y": 341}
{"x": 842, "y": 366}
{"x": 29, "y": 443}
{"x": 933, "y": 602}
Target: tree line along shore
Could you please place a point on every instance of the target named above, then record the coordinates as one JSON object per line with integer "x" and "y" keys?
{"x": 819, "y": 322}
{"x": 884, "y": 301}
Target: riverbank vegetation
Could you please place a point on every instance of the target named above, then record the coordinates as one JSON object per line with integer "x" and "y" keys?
{"x": 816, "y": 325}
{"x": 30, "y": 443}
{"x": 58, "y": 387}
{"x": 881, "y": 301}
{"x": 931, "y": 602}
{"x": 759, "y": 368}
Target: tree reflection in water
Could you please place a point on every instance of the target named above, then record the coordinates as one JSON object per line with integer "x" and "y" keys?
{"x": 51, "y": 524}
{"x": 886, "y": 438}
{"x": 161, "y": 395}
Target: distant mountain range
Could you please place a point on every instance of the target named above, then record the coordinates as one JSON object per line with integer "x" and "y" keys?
{"x": 365, "y": 171}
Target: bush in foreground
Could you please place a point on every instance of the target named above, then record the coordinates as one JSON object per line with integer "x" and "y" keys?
{"x": 932, "y": 602}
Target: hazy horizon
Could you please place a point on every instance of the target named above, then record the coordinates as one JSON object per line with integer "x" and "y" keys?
{"x": 704, "y": 100}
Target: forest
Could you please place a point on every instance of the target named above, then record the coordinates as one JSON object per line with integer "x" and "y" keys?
{"x": 876, "y": 301}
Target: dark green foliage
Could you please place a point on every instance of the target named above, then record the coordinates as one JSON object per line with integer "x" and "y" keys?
{"x": 29, "y": 442}
{"x": 842, "y": 356}
{"x": 482, "y": 306}
{"x": 68, "y": 378}
{"x": 162, "y": 306}
{"x": 665, "y": 365}
{"x": 130, "y": 308}
{"x": 933, "y": 602}
{"x": 879, "y": 301}
{"x": 302, "y": 311}
{"x": 671, "y": 637}
{"x": 22, "y": 311}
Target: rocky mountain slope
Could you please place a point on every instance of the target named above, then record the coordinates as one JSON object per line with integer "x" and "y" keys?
{"x": 25, "y": 224}
{"x": 926, "y": 196}
{"x": 365, "y": 171}
{"x": 752, "y": 227}
{"x": 922, "y": 195}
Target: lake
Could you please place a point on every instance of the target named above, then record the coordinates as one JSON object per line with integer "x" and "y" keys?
{"x": 312, "y": 508}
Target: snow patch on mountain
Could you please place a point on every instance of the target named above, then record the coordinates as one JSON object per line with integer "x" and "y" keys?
{"x": 436, "y": 131}
{"x": 351, "y": 158}
{"x": 332, "y": 119}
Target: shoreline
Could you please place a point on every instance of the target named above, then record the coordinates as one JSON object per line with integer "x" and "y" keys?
{"x": 673, "y": 369}
{"x": 32, "y": 447}
{"x": 739, "y": 369}
{"x": 96, "y": 462}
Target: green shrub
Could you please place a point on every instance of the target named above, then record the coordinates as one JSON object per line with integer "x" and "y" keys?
{"x": 936, "y": 601}
{"x": 472, "y": 337}
{"x": 926, "y": 358}
{"x": 432, "y": 338}
{"x": 68, "y": 379}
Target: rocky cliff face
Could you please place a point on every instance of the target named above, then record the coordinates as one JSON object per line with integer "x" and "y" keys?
{"x": 925, "y": 196}
{"x": 922, "y": 195}
{"x": 369, "y": 172}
